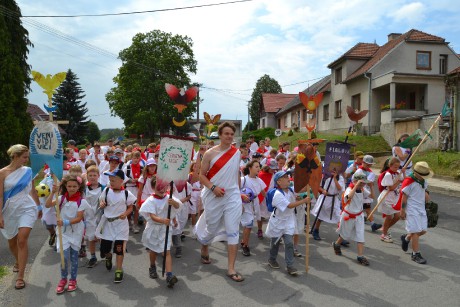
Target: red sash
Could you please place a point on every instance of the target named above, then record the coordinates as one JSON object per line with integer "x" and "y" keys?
{"x": 221, "y": 162}
{"x": 406, "y": 182}
{"x": 266, "y": 177}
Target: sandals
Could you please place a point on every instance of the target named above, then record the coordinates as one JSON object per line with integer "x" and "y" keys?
{"x": 20, "y": 284}
{"x": 16, "y": 268}
{"x": 205, "y": 259}
{"x": 236, "y": 277}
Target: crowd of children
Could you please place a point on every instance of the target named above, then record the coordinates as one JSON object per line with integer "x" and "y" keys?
{"x": 108, "y": 191}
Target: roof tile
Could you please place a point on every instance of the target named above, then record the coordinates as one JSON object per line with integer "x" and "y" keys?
{"x": 273, "y": 102}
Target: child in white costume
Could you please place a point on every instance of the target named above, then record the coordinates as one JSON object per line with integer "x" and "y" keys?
{"x": 113, "y": 229}
{"x": 181, "y": 217}
{"x": 155, "y": 212}
{"x": 93, "y": 213}
{"x": 413, "y": 199}
{"x": 282, "y": 222}
{"x": 72, "y": 207}
{"x": 251, "y": 208}
{"x": 330, "y": 211}
{"x": 351, "y": 225}
{"x": 391, "y": 182}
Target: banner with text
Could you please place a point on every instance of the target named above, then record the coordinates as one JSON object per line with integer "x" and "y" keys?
{"x": 336, "y": 159}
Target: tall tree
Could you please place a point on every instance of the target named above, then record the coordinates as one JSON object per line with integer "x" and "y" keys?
{"x": 68, "y": 99}
{"x": 94, "y": 134}
{"x": 139, "y": 98}
{"x": 265, "y": 84}
{"x": 16, "y": 124}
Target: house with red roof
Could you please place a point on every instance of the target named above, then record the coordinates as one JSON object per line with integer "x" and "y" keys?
{"x": 453, "y": 95}
{"x": 401, "y": 83}
{"x": 270, "y": 105}
{"x": 38, "y": 115}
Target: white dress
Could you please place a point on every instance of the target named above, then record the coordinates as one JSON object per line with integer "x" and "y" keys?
{"x": 49, "y": 214}
{"x": 182, "y": 212}
{"x": 332, "y": 202}
{"x": 386, "y": 207}
{"x": 147, "y": 190}
{"x": 72, "y": 234}
{"x": 251, "y": 211}
{"x": 116, "y": 205}
{"x": 154, "y": 233}
{"x": 352, "y": 227}
{"x": 196, "y": 195}
{"x": 19, "y": 210}
{"x": 92, "y": 214}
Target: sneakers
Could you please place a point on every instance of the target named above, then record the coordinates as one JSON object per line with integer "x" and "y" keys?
{"x": 246, "y": 252}
{"x": 178, "y": 253}
{"x": 315, "y": 234}
{"x": 182, "y": 238}
{"x": 118, "y": 276}
{"x": 153, "y": 272}
{"x": 337, "y": 249}
{"x": 375, "y": 227}
{"x": 135, "y": 228}
{"x": 260, "y": 234}
{"x": 82, "y": 252}
{"x": 52, "y": 239}
{"x": 273, "y": 264}
{"x": 386, "y": 238}
{"x": 417, "y": 257}
{"x": 72, "y": 285}
{"x": 171, "y": 281}
{"x": 292, "y": 271}
{"x": 108, "y": 262}
{"x": 91, "y": 263}
{"x": 61, "y": 286}
{"x": 297, "y": 254}
{"x": 404, "y": 243}
{"x": 363, "y": 260}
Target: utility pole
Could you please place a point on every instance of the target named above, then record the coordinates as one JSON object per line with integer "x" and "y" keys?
{"x": 198, "y": 104}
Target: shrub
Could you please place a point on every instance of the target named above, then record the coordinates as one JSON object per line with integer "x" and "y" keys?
{"x": 260, "y": 134}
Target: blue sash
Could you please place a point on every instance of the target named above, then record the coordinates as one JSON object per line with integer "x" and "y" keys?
{"x": 20, "y": 185}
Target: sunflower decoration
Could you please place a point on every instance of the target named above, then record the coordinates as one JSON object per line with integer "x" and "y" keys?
{"x": 311, "y": 102}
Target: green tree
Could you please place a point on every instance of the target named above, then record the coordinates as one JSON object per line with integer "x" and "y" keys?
{"x": 16, "y": 124}
{"x": 265, "y": 84}
{"x": 68, "y": 99}
{"x": 94, "y": 134}
{"x": 139, "y": 98}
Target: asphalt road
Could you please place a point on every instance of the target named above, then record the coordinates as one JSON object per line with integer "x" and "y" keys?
{"x": 392, "y": 279}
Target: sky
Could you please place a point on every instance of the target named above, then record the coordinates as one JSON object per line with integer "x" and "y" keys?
{"x": 234, "y": 44}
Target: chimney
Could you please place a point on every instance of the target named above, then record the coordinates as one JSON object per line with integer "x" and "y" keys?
{"x": 393, "y": 36}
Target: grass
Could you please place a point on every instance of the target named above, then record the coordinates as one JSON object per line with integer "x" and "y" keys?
{"x": 3, "y": 271}
{"x": 367, "y": 144}
{"x": 442, "y": 163}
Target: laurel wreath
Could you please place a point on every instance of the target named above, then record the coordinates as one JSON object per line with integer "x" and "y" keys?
{"x": 183, "y": 152}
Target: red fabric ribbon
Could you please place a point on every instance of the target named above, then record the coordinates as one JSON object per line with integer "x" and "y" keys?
{"x": 74, "y": 197}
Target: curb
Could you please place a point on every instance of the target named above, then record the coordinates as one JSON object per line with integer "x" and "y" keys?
{"x": 444, "y": 190}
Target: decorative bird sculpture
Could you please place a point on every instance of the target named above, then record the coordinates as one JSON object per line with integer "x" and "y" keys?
{"x": 356, "y": 116}
{"x": 181, "y": 98}
{"x": 311, "y": 125}
{"x": 48, "y": 83}
{"x": 311, "y": 102}
{"x": 211, "y": 119}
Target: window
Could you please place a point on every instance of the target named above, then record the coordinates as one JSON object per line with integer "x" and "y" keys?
{"x": 326, "y": 112}
{"x": 293, "y": 119}
{"x": 338, "y": 75}
{"x": 285, "y": 121}
{"x": 356, "y": 102}
{"x": 263, "y": 122}
{"x": 305, "y": 115}
{"x": 338, "y": 109}
{"x": 443, "y": 64}
{"x": 424, "y": 60}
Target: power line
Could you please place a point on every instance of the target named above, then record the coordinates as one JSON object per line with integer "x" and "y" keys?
{"x": 137, "y": 12}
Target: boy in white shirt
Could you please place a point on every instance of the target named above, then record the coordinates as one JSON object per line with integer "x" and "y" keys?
{"x": 282, "y": 221}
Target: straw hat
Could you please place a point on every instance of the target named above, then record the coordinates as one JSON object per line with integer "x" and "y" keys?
{"x": 422, "y": 169}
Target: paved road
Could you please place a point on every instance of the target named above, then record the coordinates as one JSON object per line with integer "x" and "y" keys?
{"x": 391, "y": 280}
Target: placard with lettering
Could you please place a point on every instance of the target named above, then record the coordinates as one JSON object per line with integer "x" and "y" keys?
{"x": 336, "y": 159}
{"x": 174, "y": 162}
{"x": 46, "y": 148}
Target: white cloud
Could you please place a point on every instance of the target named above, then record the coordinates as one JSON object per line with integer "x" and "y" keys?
{"x": 410, "y": 13}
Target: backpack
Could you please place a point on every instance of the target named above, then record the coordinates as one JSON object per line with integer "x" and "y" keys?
{"x": 62, "y": 202}
{"x": 269, "y": 198}
{"x": 128, "y": 169}
{"x": 379, "y": 182}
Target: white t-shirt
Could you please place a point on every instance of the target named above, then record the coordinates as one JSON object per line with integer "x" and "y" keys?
{"x": 116, "y": 202}
{"x": 416, "y": 198}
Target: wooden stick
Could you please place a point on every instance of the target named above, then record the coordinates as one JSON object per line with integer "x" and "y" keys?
{"x": 307, "y": 235}
{"x": 59, "y": 228}
{"x": 423, "y": 140}
{"x": 378, "y": 204}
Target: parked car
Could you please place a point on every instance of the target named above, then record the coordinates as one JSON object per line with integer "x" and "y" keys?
{"x": 214, "y": 135}
{"x": 192, "y": 136}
